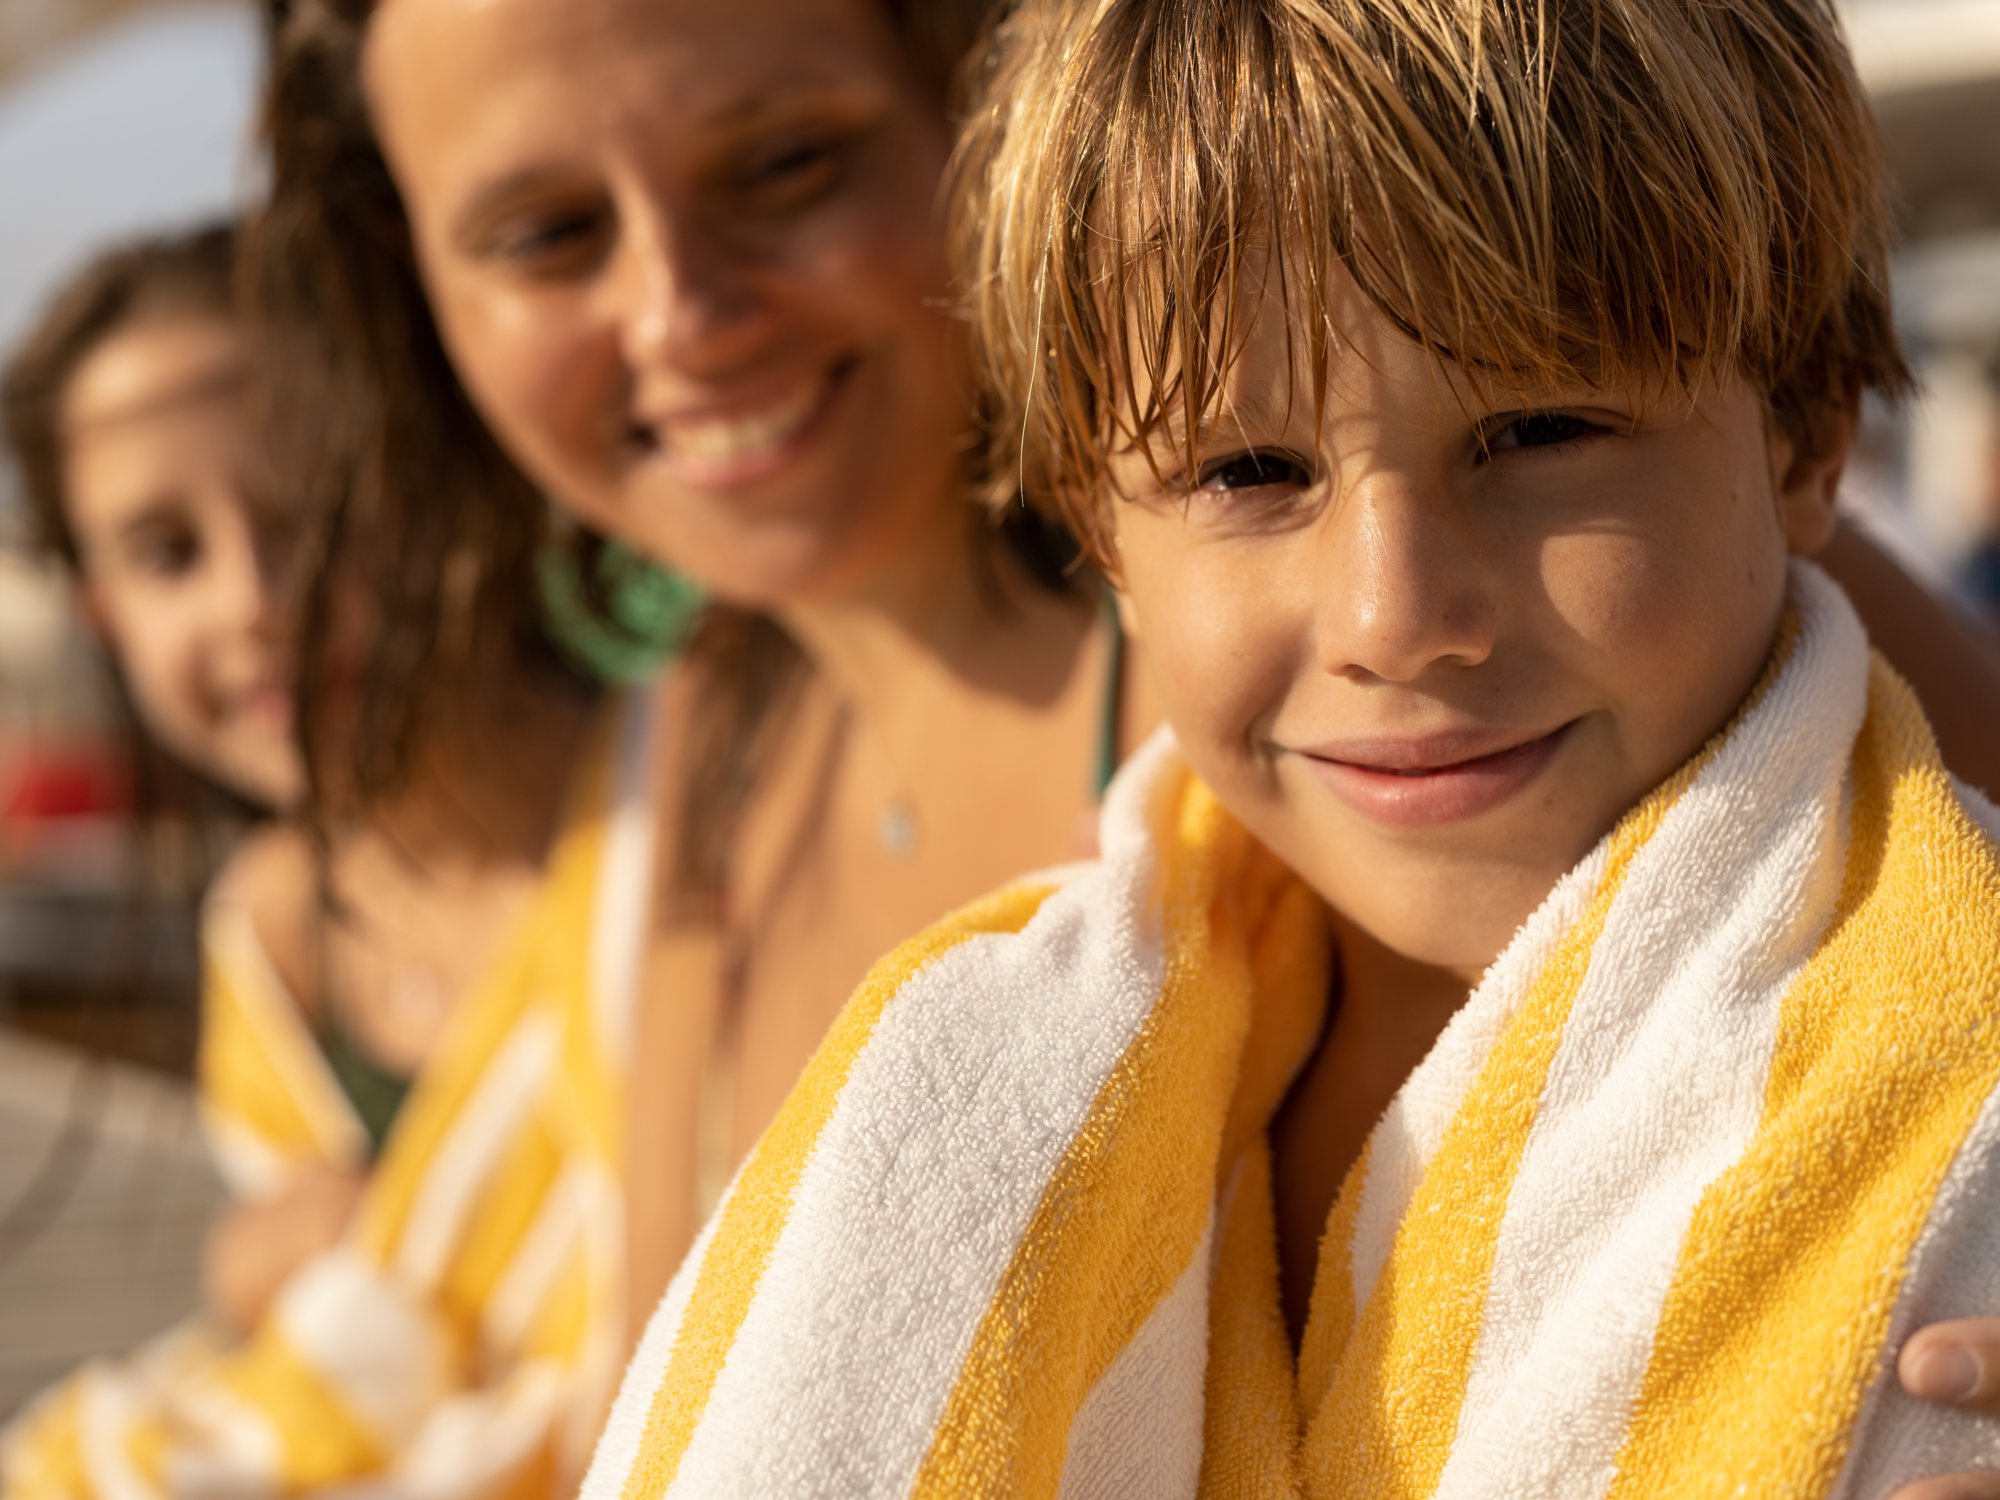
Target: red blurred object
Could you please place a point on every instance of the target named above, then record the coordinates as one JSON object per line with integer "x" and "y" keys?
{"x": 52, "y": 781}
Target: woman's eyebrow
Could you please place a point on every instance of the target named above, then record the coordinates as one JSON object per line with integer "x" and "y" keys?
{"x": 490, "y": 198}
{"x": 775, "y": 99}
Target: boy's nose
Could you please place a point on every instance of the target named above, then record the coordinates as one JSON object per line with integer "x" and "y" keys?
{"x": 685, "y": 303}
{"x": 1401, "y": 585}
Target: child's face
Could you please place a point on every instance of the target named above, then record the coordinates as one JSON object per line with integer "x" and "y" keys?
{"x": 180, "y": 560}
{"x": 1431, "y": 677}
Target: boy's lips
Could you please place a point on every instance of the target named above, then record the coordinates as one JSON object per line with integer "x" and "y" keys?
{"x": 1434, "y": 779}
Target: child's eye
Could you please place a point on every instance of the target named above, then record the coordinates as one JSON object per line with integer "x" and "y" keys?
{"x": 164, "y": 552}
{"x": 1536, "y": 430}
{"x": 1250, "y": 471}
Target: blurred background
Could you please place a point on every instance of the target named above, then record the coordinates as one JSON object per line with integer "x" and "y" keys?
{"x": 122, "y": 117}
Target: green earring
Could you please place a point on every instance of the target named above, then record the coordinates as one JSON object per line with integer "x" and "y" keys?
{"x": 620, "y": 616}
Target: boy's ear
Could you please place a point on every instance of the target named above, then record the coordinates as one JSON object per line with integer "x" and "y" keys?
{"x": 1806, "y": 471}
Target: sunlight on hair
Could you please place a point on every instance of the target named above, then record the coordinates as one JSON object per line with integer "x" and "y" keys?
{"x": 1551, "y": 191}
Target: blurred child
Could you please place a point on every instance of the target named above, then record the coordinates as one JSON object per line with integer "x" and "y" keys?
{"x": 412, "y": 1008}
{"x": 123, "y": 414}
{"x": 1530, "y": 1029}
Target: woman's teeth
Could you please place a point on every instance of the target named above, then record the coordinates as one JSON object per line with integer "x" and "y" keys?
{"x": 743, "y": 435}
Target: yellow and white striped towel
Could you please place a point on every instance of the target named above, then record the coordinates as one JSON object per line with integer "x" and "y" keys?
{"x": 463, "y": 1338}
{"x": 1717, "y": 1128}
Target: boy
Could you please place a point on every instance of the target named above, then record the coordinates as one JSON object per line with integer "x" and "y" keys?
{"x": 1530, "y": 1030}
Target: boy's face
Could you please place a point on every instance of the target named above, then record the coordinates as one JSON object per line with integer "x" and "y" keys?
{"x": 1430, "y": 672}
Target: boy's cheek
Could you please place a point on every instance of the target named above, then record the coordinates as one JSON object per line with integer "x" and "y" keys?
{"x": 1217, "y": 688}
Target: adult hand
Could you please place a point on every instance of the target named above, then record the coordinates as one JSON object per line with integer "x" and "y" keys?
{"x": 1955, "y": 1364}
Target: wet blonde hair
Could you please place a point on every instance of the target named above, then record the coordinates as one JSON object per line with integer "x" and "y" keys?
{"x": 1554, "y": 191}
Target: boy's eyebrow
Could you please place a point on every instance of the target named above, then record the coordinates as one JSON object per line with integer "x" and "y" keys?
{"x": 1257, "y": 411}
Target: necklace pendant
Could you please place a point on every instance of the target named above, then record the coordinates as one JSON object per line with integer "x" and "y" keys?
{"x": 896, "y": 829}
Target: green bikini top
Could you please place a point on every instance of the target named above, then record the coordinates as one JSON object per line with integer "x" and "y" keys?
{"x": 1111, "y": 712}
{"x": 374, "y": 1093}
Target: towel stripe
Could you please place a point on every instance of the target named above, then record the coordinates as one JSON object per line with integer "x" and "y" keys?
{"x": 1752, "y": 1389}
{"x": 1156, "y": 1383}
{"x": 754, "y": 1215}
{"x": 267, "y": 1096}
{"x": 1406, "y": 1139}
{"x": 321, "y": 1440}
{"x": 483, "y": 1026}
{"x": 1251, "y": 1427}
{"x": 1954, "y": 1274}
{"x": 1387, "y": 1425}
{"x": 1331, "y": 1315}
{"x": 1644, "y": 1106}
{"x": 1106, "y": 1271}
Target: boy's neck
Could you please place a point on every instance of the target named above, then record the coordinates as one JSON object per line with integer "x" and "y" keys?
{"x": 1387, "y": 995}
{"x": 1385, "y": 1013}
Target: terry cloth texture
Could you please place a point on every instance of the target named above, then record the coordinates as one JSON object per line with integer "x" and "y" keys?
{"x": 463, "y": 1338}
{"x": 1713, "y": 1133}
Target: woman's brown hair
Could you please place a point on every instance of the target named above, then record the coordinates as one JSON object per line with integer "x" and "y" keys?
{"x": 372, "y": 421}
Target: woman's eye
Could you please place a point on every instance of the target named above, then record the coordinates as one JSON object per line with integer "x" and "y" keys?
{"x": 791, "y": 161}
{"x": 793, "y": 172}
{"x": 546, "y": 244}
{"x": 1538, "y": 430}
{"x": 1249, "y": 471}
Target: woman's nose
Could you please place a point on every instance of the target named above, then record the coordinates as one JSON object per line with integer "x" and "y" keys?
{"x": 686, "y": 302}
{"x": 1401, "y": 584}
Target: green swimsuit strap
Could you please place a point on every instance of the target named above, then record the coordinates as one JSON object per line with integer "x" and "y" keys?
{"x": 373, "y": 1091}
{"x": 1111, "y": 712}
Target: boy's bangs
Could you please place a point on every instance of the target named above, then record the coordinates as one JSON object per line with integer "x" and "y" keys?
{"x": 1551, "y": 192}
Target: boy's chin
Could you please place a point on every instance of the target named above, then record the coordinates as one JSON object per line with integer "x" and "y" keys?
{"x": 1455, "y": 927}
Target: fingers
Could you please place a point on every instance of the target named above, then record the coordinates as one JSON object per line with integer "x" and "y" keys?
{"x": 1952, "y": 1487}
{"x": 1955, "y": 1364}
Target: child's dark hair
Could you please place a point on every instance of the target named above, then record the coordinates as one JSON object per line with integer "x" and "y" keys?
{"x": 187, "y": 275}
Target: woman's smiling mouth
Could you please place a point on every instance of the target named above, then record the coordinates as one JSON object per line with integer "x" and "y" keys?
{"x": 1434, "y": 779}
{"x": 727, "y": 445}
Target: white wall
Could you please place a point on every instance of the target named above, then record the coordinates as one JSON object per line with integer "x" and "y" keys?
{"x": 143, "y": 125}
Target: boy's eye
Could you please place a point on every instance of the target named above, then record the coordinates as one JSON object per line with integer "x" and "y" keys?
{"x": 1536, "y": 430}
{"x": 1250, "y": 471}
